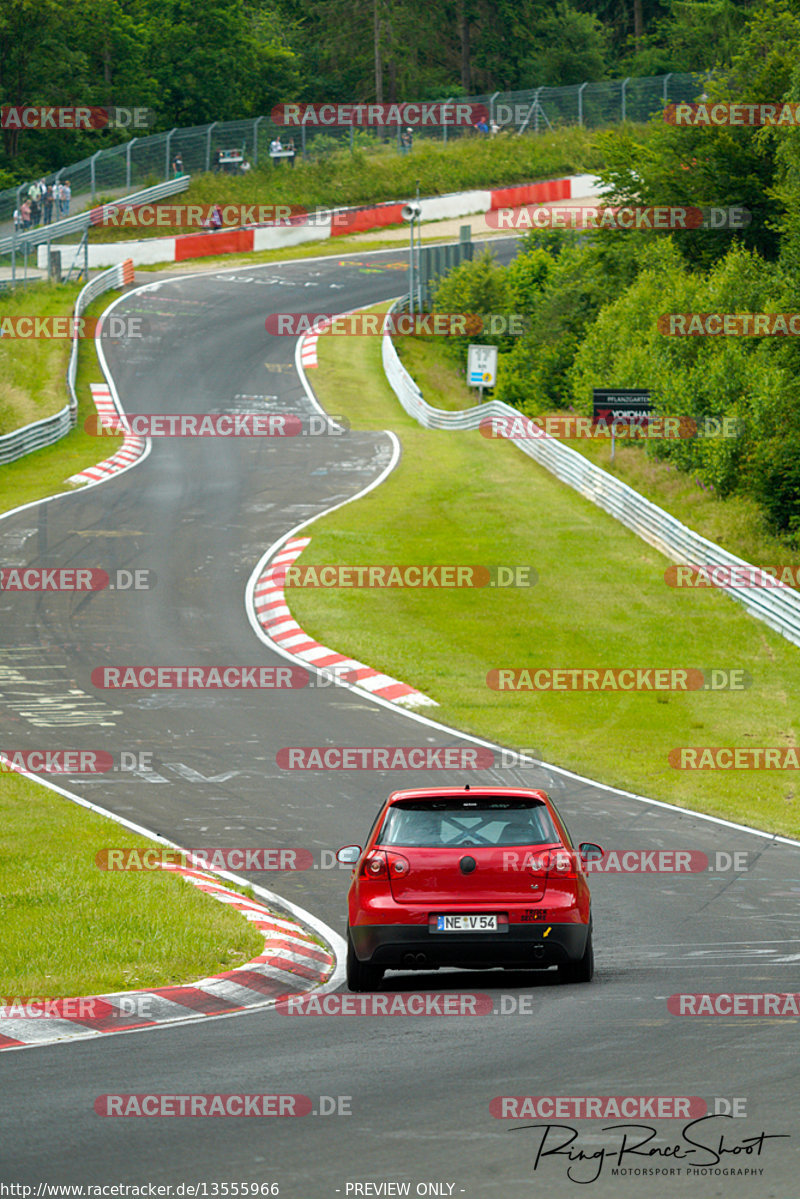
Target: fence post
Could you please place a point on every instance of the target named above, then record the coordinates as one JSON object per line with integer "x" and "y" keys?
{"x": 580, "y": 102}
{"x": 166, "y": 156}
{"x": 93, "y": 174}
{"x": 492, "y": 99}
{"x": 256, "y": 124}
{"x": 625, "y": 83}
{"x": 128, "y": 161}
{"x": 211, "y": 129}
{"x": 666, "y": 81}
{"x": 449, "y": 100}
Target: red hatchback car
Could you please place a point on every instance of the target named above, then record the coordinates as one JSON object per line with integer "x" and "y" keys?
{"x": 473, "y": 878}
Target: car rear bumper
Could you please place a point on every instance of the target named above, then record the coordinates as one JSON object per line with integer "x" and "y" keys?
{"x": 403, "y": 947}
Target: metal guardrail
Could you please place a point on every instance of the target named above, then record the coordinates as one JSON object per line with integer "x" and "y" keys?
{"x": 93, "y": 216}
{"x": 778, "y": 607}
{"x": 533, "y": 110}
{"x": 52, "y": 428}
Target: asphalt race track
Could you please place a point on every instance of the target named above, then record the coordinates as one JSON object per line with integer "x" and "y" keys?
{"x": 200, "y": 513}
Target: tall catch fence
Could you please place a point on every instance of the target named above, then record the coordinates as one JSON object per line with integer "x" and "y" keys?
{"x": 145, "y": 161}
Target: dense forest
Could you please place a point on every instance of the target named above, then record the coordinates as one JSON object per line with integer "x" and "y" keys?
{"x": 593, "y": 303}
{"x": 227, "y": 59}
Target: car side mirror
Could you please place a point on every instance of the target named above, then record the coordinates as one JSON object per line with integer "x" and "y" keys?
{"x": 590, "y": 852}
{"x": 349, "y": 855}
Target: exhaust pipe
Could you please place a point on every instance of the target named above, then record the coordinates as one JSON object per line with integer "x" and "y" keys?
{"x": 415, "y": 961}
{"x": 538, "y": 951}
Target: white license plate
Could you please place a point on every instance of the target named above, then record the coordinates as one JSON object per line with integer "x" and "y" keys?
{"x": 466, "y": 924}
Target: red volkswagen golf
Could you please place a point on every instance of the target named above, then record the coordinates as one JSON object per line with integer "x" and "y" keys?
{"x": 473, "y": 878}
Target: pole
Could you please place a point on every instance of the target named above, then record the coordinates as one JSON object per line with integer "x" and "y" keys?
{"x": 419, "y": 254}
{"x": 410, "y": 270}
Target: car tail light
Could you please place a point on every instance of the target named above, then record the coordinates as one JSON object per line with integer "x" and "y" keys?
{"x": 374, "y": 865}
{"x": 378, "y": 864}
{"x": 564, "y": 865}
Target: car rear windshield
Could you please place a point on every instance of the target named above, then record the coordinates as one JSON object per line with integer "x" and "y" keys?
{"x": 475, "y": 823}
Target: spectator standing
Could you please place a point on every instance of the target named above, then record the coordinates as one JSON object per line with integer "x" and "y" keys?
{"x": 290, "y": 147}
{"x": 25, "y": 213}
{"x": 406, "y": 141}
{"x": 66, "y": 196}
{"x": 17, "y": 220}
{"x": 35, "y": 196}
{"x": 177, "y": 164}
{"x": 47, "y": 204}
{"x": 275, "y": 150}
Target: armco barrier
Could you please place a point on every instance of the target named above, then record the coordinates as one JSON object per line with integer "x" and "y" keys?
{"x": 52, "y": 428}
{"x": 777, "y": 607}
{"x": 323, "y": 225}
{"x": 42, "y": 235}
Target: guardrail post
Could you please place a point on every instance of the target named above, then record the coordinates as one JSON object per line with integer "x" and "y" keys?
{"x": 625, "y": 83}
{"x": 256, "y": 124}
{"x": 210, "y": 130}
{"x": 128, "y": 160}
{"x": 580, "y": 102}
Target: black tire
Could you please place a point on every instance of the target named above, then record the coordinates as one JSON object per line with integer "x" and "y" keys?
{"x": 360, "y": 975}
{"x": 581, "y": 971}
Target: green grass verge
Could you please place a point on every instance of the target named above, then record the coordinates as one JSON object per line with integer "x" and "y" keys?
{"x": 370, "y": 177}
{"x": 46, "y": 471}
{"x": 32, "y": 370}
{"x": 601, "y": 601}
{"x": 70, "y": 928}
{"x": 736, "y": 523}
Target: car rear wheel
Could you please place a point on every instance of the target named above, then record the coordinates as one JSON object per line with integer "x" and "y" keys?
{"x": 582, "y": 970}
{"x": 360, "y": 975}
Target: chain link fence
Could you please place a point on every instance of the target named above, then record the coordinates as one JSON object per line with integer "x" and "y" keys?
{"x": 146, "y": 161}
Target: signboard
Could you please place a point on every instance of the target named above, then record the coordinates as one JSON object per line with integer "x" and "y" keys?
{"x": 625, "y": 406}
{"x": 482, "y": 366}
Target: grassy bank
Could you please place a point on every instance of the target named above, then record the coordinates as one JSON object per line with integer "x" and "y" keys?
{"x": 46, "y": 471}
{"x": 70, "y": 928}
{"x": 32, "y": 370}
{"x": 344, "y": 179}
{"x": 601, "y": 601}
{"x": 735, "y": 523}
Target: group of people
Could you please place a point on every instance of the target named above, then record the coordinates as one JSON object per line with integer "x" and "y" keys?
{"x": 277, "y": 150}
{"x": 44, "y": 202}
